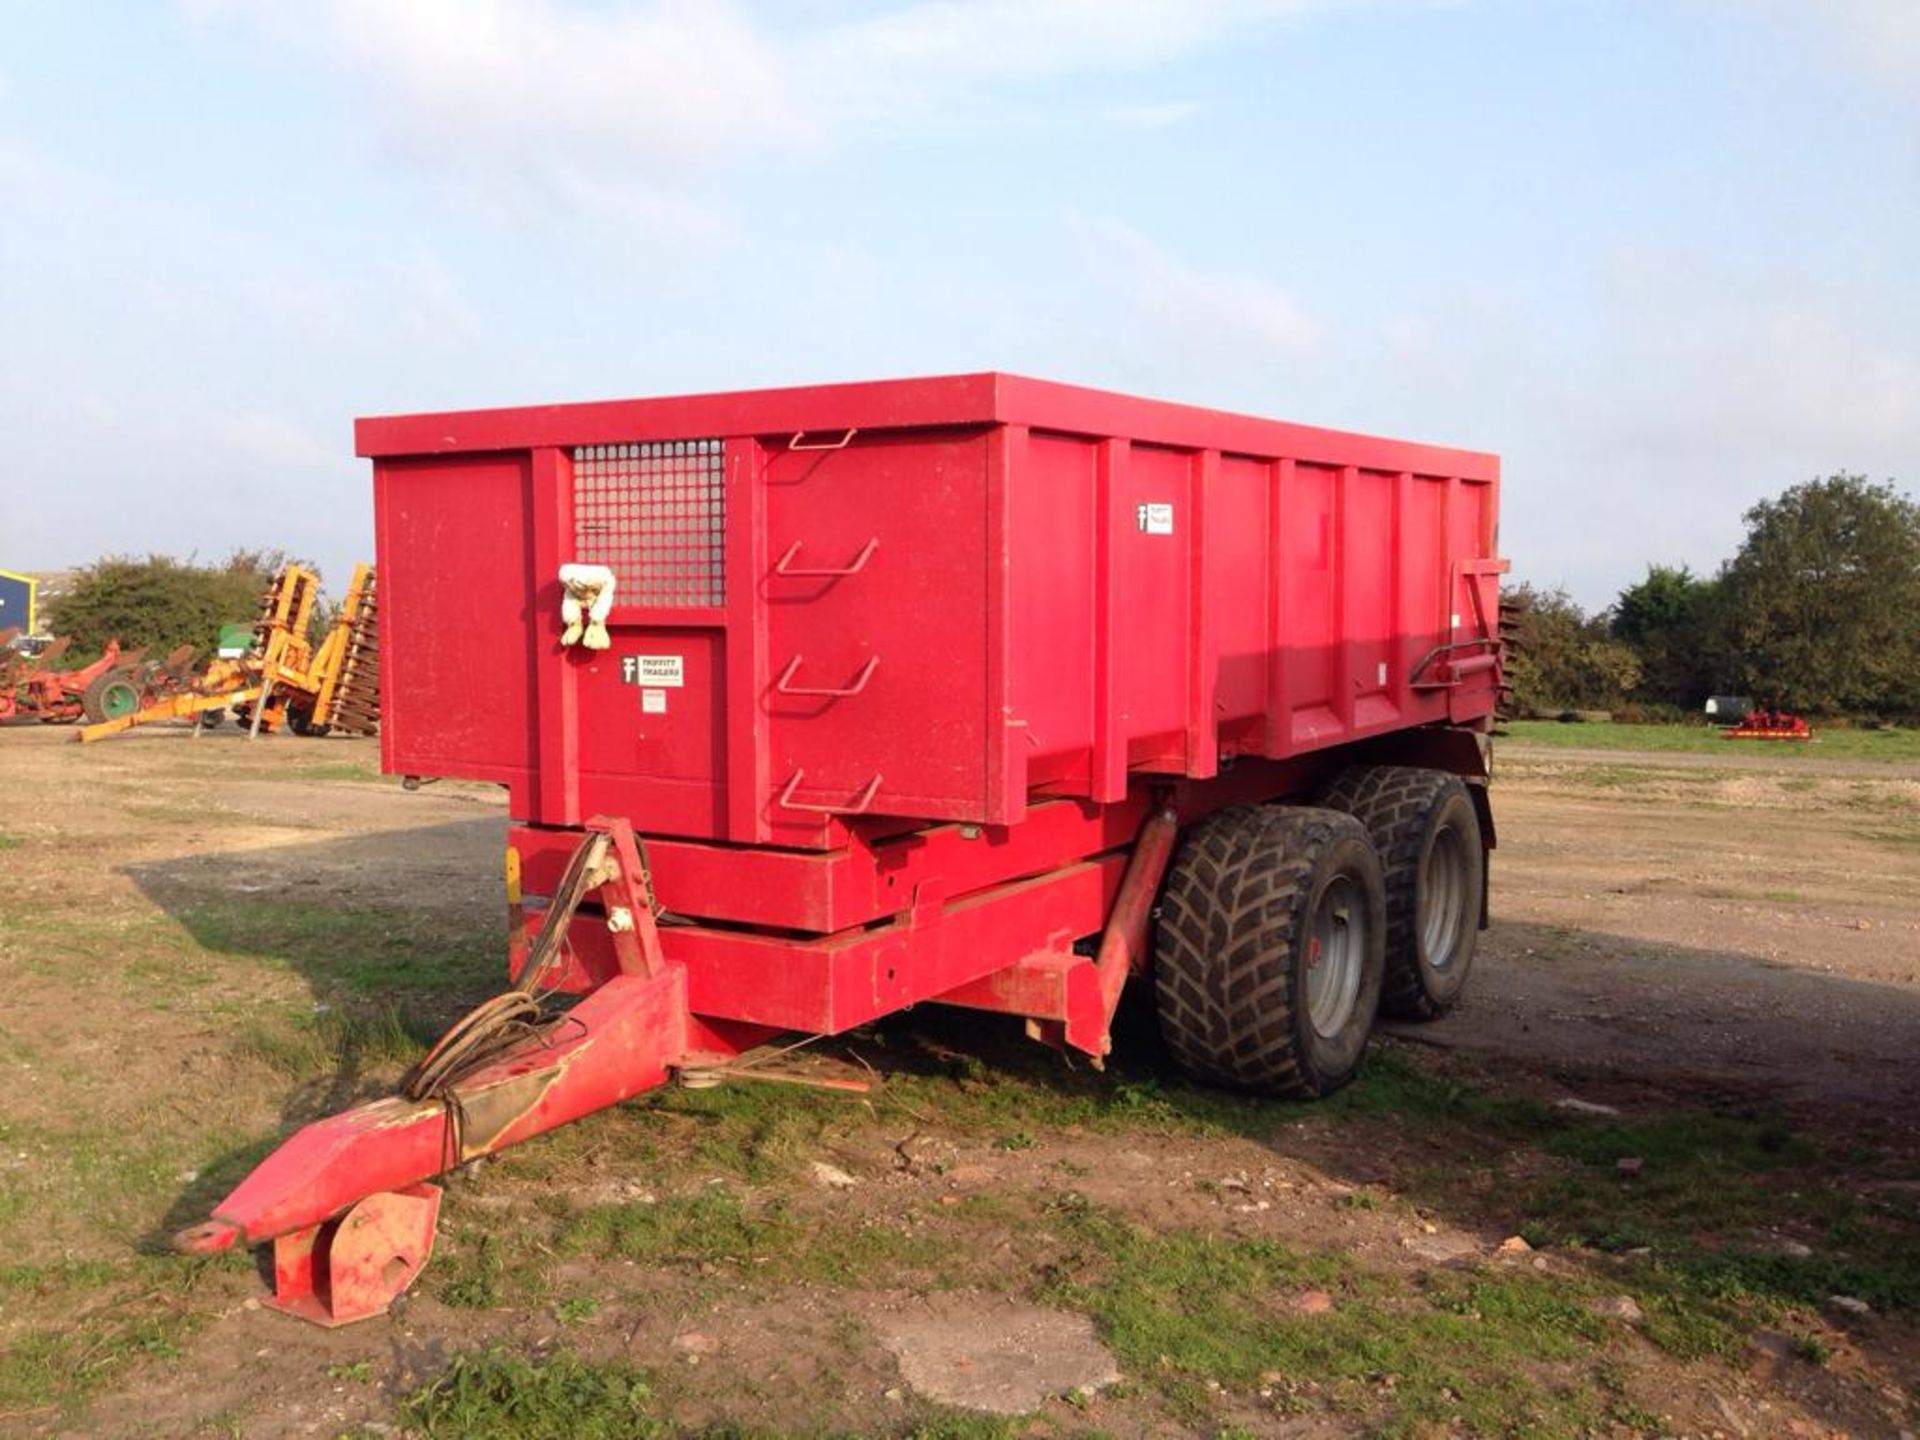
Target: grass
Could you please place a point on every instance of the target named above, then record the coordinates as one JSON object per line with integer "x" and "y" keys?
{"x": 1491, "y": 1350}
{"x": 327, "y": 772}
{"x": 100, "y": 1186}
{"x": 1832, "y": 742}
{"x": 499, "y": 1394}
{"x": 773, "y": 1244}
{"x": 1710, "y": 1188}
{"x": 1899, "y": 839}
{"x": 1497, "y": 1348}
{"x": 363, "y": 949}
{"x": 138, "y": 1310}
{"x": 763, "y": 1135}
{"x": 1630, "y": 777}
{"x": 11, "y": 842}
{"x": 306, "y": 1046}
{"x": 1190, "y": 1310}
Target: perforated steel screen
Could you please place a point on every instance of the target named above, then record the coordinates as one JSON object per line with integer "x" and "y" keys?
{"x": 654, "y": 514}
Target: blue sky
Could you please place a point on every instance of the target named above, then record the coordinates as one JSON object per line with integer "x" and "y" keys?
{"x": 1661, "y": 256}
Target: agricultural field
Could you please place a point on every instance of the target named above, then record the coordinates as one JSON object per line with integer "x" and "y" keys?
{"x": 1659, "y": 1176}
{"x": 1829, "y": 742}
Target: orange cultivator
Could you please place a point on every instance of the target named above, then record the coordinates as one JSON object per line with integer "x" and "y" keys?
{"x": 283, "y": 678}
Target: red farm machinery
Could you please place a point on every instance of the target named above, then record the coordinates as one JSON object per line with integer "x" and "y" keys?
{"x": 1766, "y": 724}
{"x": 55, "y": 691}
{"x": 816, "y": 704}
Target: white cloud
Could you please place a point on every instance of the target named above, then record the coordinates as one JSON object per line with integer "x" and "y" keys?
{"x": 1718, "y": 359}
{"x": 28, "y": 180}
{"x": 1880, "y": 37}
{"x": 631, "y": 110}
{"x": 1639, "y": 426}
{"x": 528, "y": 103}
{"x": 918, "y": 60}
{"x": 275, "y": 445}
{"x": 668, "y": 85}
{"x": 1222, "y": 313}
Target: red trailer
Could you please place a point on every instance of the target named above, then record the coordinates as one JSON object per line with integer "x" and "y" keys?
{"x": 816, "y": 704}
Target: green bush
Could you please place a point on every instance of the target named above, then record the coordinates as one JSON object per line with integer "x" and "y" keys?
{"x": 160, "y": 601}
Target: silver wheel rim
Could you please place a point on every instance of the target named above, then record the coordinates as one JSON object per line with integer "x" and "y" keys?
{"x": 1443, "y": 897}
{"x": 1335, "y": 958}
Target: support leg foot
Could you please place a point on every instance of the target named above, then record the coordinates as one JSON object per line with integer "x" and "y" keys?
{"x": 351, "y": 1268}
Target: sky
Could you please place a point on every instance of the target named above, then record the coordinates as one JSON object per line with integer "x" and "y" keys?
{"x": 1663, "y": 256}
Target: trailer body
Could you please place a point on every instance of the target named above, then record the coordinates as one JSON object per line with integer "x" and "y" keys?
{"x": 929, "y": 600}
{"x": 906, "y": 693}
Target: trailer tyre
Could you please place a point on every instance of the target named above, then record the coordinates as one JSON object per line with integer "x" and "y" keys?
{"x": 109, "y": 696}
{"x": 1427, "y": 833}
{"x": 1269, "y": 949}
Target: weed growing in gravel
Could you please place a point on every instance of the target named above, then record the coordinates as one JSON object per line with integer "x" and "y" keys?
{"x": 501, "y": 1267}
{"x": 1187, "y": 1309}
{"x": 1723, "y": 1180}
{"x": 563, "y": 1397}
{"x": 1690, "y": 1217}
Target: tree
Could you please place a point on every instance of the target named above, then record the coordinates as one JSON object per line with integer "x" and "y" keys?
{"x": 1563, "y": 658}
{"x": 1669, "y": 620}
{"x": 160, "y": 601}
{"x": 1821, "y": 604}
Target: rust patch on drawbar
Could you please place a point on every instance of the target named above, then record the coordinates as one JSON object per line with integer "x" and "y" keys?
{"x": 487, "y": 1114}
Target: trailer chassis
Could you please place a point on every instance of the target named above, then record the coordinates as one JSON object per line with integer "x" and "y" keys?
{"x": 985, "y": 918}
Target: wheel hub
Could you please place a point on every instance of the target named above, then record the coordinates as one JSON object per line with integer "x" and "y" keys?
{"x": 1335, "y": 957}
{"x": 1443, "y": 898}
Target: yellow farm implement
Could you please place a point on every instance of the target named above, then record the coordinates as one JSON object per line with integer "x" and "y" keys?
{"x": 283, "y": 679}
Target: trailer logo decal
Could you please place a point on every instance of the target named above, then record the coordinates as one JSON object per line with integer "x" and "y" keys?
{"x": 654, "y": 671}
{"x": 1156, "y": 518}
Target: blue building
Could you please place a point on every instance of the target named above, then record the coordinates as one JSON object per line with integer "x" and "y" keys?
{"x": 16, "y": 602}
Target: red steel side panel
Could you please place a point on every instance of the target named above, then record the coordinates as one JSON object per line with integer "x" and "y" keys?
{"x": 1308, "y": 560}
{"x": 943, "y": 597}
{"x": 1150, "y": 666}
{"x": 453, "y": 552}
{"x": 1238, "y": 572}
{"x": 1053, "y": 607}
{"x": 886, "y": 668}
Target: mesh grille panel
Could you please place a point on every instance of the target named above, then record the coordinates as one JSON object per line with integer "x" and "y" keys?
{"x": 654, "y": 514}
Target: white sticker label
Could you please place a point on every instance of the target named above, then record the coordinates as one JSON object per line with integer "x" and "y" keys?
{"x": 653, "y": 702}
{"x": 1156, "y": 518}
{"x": 1383, "y": 674}
{"x": 658, "y": 670}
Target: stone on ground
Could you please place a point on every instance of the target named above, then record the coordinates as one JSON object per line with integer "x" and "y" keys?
{"x": 990, "y": 1355}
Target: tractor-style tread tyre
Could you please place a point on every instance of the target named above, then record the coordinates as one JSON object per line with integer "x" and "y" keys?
{"x": 1257, "y": 897}
{"x": 1427, "y": 833}
{"x": 302, "y": 724}
{"x": 109, "y": 696}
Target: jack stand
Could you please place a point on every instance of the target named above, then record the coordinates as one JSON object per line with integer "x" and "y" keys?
{"x": 351, "y": 1268}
